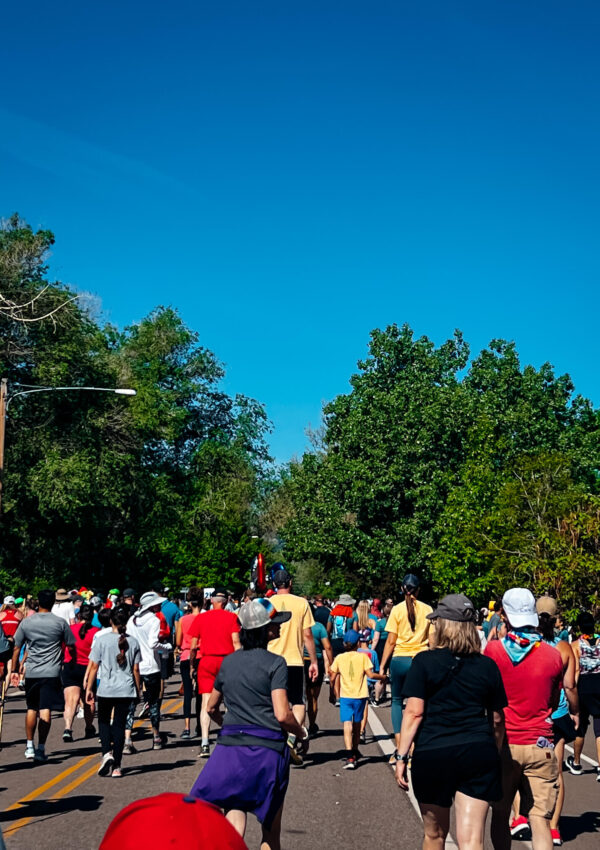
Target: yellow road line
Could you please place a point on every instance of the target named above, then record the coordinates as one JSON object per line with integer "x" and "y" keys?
{"x": 74, "y": 783}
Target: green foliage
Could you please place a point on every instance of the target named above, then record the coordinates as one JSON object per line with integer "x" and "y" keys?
{"x": 112, "y": 490}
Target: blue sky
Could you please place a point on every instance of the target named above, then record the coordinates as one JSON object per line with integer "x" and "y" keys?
{"x": 290, "y": 175}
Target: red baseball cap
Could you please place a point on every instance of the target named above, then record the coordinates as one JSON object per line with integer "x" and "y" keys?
{"x": 171, "y": 820}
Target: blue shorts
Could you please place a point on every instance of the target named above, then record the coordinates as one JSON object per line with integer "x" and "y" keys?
{"x": 352, "y": 709}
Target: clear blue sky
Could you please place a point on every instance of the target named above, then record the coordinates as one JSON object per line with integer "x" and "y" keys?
{"x": 291, "y": 174}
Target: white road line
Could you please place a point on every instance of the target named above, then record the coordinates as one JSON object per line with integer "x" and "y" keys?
{"x": 387, "y": 748}
{"x": 583, "y": 756}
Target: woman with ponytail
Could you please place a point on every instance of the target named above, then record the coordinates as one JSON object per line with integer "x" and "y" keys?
{"x": 408, "y": 633}
{"x": 73, "y": 673}
{"x": 114, "y": 660}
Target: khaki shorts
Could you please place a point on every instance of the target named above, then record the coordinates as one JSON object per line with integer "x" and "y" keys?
{"x": 533, "y": 772}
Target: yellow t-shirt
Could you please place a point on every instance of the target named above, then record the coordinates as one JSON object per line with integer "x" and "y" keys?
{"x": 353, "y": 668}
{"x": 290, "y": 643}
{"x": 409, "y": 643}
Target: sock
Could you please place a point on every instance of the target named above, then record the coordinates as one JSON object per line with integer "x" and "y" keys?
{"x": 29, "y": 744}
{"x": 350, "y": 754}
{"x": 205, "y": 742}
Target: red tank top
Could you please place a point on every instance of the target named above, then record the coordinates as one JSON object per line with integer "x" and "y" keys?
{"x": 10, "y": 622}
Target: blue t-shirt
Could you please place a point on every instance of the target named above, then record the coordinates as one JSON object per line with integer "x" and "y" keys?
{"x": 319, "y": 633}
{"x": 96, "y": 621}
{"x": 171, "y": 614}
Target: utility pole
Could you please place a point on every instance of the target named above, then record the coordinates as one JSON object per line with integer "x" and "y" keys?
{"x": 3, "y": 397}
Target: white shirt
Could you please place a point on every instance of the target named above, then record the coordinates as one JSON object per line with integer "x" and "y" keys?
{"x": 66, "y": 610}
{"x": 145, "y": 631}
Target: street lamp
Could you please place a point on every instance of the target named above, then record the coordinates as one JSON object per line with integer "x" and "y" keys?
{"x": 5, "y": 400}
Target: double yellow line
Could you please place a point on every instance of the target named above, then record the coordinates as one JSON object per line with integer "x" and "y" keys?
{"x": 170, "y": 705}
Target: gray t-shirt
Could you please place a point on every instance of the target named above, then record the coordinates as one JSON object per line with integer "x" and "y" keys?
{"x": 115, "y": 681}
{"x": 45, "y": 635}
{"x": 246, "y": 679}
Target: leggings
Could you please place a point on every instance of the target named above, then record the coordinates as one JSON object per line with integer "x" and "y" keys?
{"x": 152, "y": 691}
{"x": 398, "y": 669}
{"x": 112, "y": 735}
{"x": 188, "y": 689}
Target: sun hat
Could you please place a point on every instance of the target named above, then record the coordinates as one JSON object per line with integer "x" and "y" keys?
{"x": 519, "y": 607}
{"x": 346, "y": 599}
{"x": 547, "y": 605}
{"x": 149, "y": 600}
{"x": 410, "y": 581}
{"x": 260, "y": 612}
{"x": 352, "y": 637}
{"x": 171, "y": 820}
{"x": 61, "y": 595}
{"x": 9, "y": 600}
{"x": 456, "y": 607}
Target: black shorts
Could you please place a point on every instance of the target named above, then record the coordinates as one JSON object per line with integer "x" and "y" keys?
{"x": 563, "y": 729}
{"x": 319, "y": 680}
{"x": 473, "y": 769}
{"x": 167, "y": 665}
{"x": 589, "y": 706}
{"x": 72, "y": 675}
{"x": 44, "y": 693}
{"x": 295, "y": 686}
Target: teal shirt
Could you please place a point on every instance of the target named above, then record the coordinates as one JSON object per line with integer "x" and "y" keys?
{"x": 319, "y": 633}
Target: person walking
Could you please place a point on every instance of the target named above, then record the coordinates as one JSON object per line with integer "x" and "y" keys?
{"x": 114, "y": 660}
{"x": 73, "y": 674}
{"x": 340, "y": 620}
{"x": 454, "y": 717}
{"x": 215, "y": 635}
{"x": 248, "y": 771}
{"x": 45, "y": 635}
{"x": 294, "y": 636}
{"x": 183, "y": 643}
{"x": 144, "y": 626}
{"x": 313, "y": 686}
{"x": 532, "y": 673}
{"x": 63, "y": 607}
{"x": 408, "y": 632}
{"x": 587, "y": 658}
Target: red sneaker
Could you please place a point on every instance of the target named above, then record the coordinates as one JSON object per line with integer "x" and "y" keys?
{"x": 556, "y": 839}
{"x": 519, "y": 829}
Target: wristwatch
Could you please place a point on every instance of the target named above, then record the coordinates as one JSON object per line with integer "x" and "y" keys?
{"x": 405, "y": 758}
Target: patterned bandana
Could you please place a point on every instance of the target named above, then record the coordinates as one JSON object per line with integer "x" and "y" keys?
{"x": 519, "y": 642}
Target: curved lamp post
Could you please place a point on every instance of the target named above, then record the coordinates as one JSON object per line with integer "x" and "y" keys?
{"x": 5, "y": 400}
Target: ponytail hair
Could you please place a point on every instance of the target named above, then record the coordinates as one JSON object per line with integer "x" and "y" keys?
{"x": 86, "y": 615}
{"x": 119, "y": 617}
{"x": 410, "y": 609}
{"x": 546, "y": 626}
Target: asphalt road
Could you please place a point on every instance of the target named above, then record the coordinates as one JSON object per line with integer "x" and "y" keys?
{"x": 63, "y": 803}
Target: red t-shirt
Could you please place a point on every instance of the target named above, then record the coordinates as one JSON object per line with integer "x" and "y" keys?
{"x": 82, "y": 645}
{"x": 529, "y": 686}
{"x": 214, "y": 630}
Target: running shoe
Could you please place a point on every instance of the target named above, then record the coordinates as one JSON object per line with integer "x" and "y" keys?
{"x": 363, "y": 737}
{"x": 80, "y": 713}
{"x": 129, "y": 750}
{"x": 29, "y": 752}
{"x": 90, "y": 732}
{"x": 68, "y": 736}
{"x": 357, "y": 755}
{"x": 39, "y": 755}
{"x": 106, "y": 764}
{"x": 576, "y": 769}
{"x": 186, "y": 734}
{"x": 144, "y": 711}
{"x": 313, "y": 730}
{"x": 158, "y": 744}
{"x": 116, "y": 773}
{"x": 21, "y": 684}
{"x": 598, "y": 774}
{"x": 519, "y": 829}
{"x": 349, "y": 764}
{"x": 556, "y": 839}
{"x": 205, "y": 751}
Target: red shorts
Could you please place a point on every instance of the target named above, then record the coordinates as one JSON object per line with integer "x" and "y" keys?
{"x": 208, "y": 667}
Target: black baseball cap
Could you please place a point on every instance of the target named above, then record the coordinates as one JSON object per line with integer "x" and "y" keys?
{"x": 410, "y": 581}
{"x": 129, "y": 591}
{"x": 219, "y": 591}
{"x": 456, "y": 606}
{"x": 281, "y": 577}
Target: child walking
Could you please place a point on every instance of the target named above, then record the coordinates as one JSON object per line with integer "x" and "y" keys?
{"x": 353, "y": 668}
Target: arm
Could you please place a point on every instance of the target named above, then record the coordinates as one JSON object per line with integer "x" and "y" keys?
{"x": 193, "y": 651}
{"x": 19, "y": 640}
{"x": 285, "y": 718}
{"x": 569, "y": 683}
{"x": 376, "y": 638}
{"x": 309, "y": 643}
{"x": 213, "y": 706}
{"x": 575, "y": 648}
{"x": 388, "y": 649}
{"x": 91, "y": 674}
{"x": 178, "y": 635}
{"x": 235, "y": 637}
{"x": 326, "y": 644}
{"x": 137, "y": 679}
{"x": 411, "y": 720}
{"x": 499, "y": 729}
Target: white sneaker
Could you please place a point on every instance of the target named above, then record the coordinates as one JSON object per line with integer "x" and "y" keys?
{"x": 80, "y": 713}
{"x": 106, "y": 764}
{"x": 29, "y": 752}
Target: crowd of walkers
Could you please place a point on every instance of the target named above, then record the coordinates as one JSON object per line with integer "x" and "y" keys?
{"x": 483, "y": 701}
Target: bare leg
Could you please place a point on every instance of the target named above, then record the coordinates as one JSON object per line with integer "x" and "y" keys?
{"x": 44, "y": 725}
{"x": 541, "y": 839}
{"x": 348, "y": 734}
{"x": 471, "y": 815}
{"x": 71, "y": 699}
{"x": 559, "y": 751}
{"x": 363, "y": 723}
{"x": 30, "y": 723}
{"x": 204, "y": 718}
{"x": 271, "y": 837}
{"x": 578, "y": 749}
{"x": 299, "y": 712}
{"x": 237, "y": 819}
{"x": 436, "y": 822}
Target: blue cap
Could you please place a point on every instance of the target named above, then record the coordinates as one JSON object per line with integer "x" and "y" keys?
{"x": 351, "y": 636}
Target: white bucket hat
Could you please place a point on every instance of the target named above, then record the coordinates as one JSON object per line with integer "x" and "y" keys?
{"x": 149, "y": 600}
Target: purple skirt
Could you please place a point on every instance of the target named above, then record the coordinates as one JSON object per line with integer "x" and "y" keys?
{"x": 248, "y": 778}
